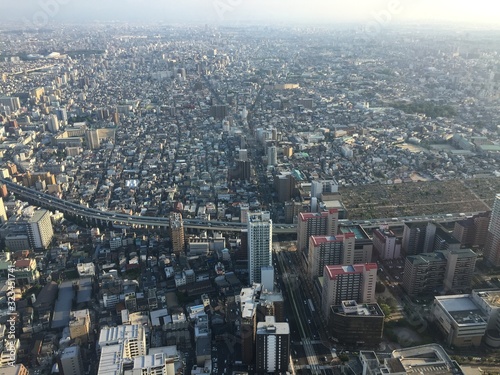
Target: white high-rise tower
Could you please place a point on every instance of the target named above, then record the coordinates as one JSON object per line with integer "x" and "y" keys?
{"x": 260, "y": 233}
{"x": 492, "y": 248}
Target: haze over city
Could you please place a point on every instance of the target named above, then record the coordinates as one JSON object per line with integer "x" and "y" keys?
{"x": 478, "y": 13}
{"x": 249, "y": 187}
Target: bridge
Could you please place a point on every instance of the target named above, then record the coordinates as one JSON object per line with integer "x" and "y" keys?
{"x": 93, "y": 216}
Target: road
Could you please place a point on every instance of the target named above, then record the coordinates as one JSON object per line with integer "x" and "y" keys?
{"x": 302, "y": 315}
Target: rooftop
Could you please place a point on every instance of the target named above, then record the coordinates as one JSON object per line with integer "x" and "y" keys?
{"x": 462, "y": 309}
{"x": 491, "y": 297}
{"x": 358, "y": 231}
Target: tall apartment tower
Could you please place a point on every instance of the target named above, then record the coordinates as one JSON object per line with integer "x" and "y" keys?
{"x": 342, "y": 283}
{"x": 329, "y": 250}
{"x": 260, "y": 233}
{"x": 316, "y": 224}
{"x": 492, "y": 248}
{"x": 3, "y": 213}
{"x": 414, "y": 238}
{"x": 386, "y": 243}
{"x": 450, "y": 270}
{"x": 272, "y": 346}
{"x": 272, "y": 155}
{"x": 70, "y": 362}
{"x": 40, "y": 231}
{"x": 92, "y": 139}
{"x": 177, "y": 232}
{"x": 53, "y": 124}
{"x": 473, "y": 231}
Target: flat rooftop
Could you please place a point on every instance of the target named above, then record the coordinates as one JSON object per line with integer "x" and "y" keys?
{"x": 463, "y": 309}
{"x": 491, "y": 297}
{"x": 358, "y": 231}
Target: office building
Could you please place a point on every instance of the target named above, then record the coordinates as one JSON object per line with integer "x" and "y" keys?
{"x": 70, "y": 362}
{"x": 444, "y": 270}
{"x": 177, "y": 233}
{"x": 260, "y": 233}
{"x": 355, "y": 282}
{"x": 424, "y": 359}
{"x": 315, "y": 224}
{"x": 460, "y": 319}
{"x": 329, "y": 250}
{"x": 272, "y": 346}
{"x": 386, "y": 243}
{"x": 357, "y": 324}
{"x": 492, "y": 247}
{"x": 473, "y": 231}
{"x": 120, "y": 345}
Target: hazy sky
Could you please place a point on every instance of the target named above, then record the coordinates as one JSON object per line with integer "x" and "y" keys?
{"x": 383, "y": 12}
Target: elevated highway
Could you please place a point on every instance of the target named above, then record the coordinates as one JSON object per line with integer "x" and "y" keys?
{"x": 93, "y": 216}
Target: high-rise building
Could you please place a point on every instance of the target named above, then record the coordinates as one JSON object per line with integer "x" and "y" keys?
{"x": 446, "y": 270}
{"x": 413, "y": 238}
{"x": 329, "y": 250}
{"x": 316, "y": 224}
{"x": 492, "y": 248}
{"x": 243, "y": 154}
{"x": 260, "y": 233}
{"x": 319, "y": 187}
{"x": 3, "y": 213}
{"x": 284, "y": 184}
{"x": 92, "y": 138}
{"x": 12, "y": 102}
{"x": 177, "y": 232}
{"x": 79, "y": 325}
{"x": 386, "y": 243}
{"x": 120, "y": 345}
{"x": 272, "y": 155}
{"x": 40, "y": 231}
{"x": 243, "y": 169}
{"x": 355, "y": 282}
{"x": 267, "y": 278}
{"x": 70, "y": 362}
{"x": 357, "y": 324}
{"x": 473, "y": 231}
{"x": 460, "y": 265}
{"x": 272, "y": 346}
{"x": 292, "y": 210}
{"x": 53, "y": 124}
